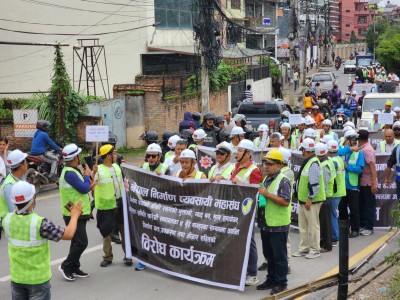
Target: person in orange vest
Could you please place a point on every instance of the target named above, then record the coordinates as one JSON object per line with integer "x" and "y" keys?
{"x": 317, "y": 116}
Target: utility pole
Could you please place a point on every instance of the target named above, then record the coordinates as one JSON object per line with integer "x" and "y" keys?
{"x": 326, "y": 32}
{"x": 291, "y": 37}
{"x": 306, "y": 36}
{"x": 205, "y": 82}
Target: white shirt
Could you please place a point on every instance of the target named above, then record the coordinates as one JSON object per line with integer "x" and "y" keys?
{"x": 229, "y": 127}
{"x": 175, "y": 167}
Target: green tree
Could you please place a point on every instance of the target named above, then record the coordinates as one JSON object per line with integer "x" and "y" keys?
{"x": 274, "y": 70}
{"x": 353, "y": 37}
{"x": 381, "y": 25}
{"x": 388, "y": 50}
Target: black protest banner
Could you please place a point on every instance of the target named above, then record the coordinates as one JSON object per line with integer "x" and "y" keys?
{"x": 196, "y": 229}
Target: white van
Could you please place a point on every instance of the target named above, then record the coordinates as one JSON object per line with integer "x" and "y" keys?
{"x": 374, "y": 101}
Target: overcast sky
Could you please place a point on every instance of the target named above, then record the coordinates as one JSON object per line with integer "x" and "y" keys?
{"x": 383, "y": 2}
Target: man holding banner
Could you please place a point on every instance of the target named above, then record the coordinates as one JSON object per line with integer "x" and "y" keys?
{"x": 222, "y": 170}
{"x": 274, "y": 221}
{"x": 246, "y": 172}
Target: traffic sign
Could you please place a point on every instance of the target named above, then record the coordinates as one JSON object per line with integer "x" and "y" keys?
{"x": 25, "y": 122}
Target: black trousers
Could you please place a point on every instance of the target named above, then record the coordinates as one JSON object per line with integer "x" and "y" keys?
{"x": 351, "y": 201}
{"x": 367, "y": 208}
{"x": 78, "y": 244}
{"x": 275, "y": 251}
{"x": 325, "y": 225}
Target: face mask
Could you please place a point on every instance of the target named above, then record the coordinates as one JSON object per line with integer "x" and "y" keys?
{"x": 285, "y": 120}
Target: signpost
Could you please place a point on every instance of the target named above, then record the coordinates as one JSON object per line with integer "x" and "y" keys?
{"x": 25, "y": 122}
{"x": 97, "y": 134}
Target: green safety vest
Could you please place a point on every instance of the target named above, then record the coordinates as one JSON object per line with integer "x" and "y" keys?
{"x": 341, "y": 141}
{"x": 29, "y": 253}
{"x": 3, "y": 203}
{"x": 161, "y": 167}
{"x": 340, "y": 178}
{"x": 168, "y": 154}
{"x": 383, "y": 144}
{"x": 244, "y": 174}
{"x": 257, "y": 142}
{"x": 288, "y": 173}
{"x": 277, "y": 215}
{"x": 68, "y": 193}
{"x": 104, "y": 192}
{"x": 329, "y": 163}
{"x": 302, "y": 192}
{"x": 198, "y": 174}
{"x": 353, "y": 177}
{"x": 226, "y": 174}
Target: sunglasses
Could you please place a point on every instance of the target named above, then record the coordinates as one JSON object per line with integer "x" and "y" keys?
{"x": 151, "y": 155}
{"x": 265, "y": 163}
{"x": 219, "y": 153}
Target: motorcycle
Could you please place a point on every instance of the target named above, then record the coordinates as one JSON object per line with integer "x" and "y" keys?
{"x": 340, "y": 119}
{"x": 38, "y": 170}
{"x": 337, "y": 65}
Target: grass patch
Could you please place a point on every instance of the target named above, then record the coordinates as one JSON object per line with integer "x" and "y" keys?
{"x": 394, "y": 287}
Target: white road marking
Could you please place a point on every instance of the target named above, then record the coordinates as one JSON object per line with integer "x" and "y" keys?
{"x": 60, "y": 260}
{"x": 47, "y": 197}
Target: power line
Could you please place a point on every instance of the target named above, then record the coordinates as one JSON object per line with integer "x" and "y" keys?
{"x": 75, "y": 34}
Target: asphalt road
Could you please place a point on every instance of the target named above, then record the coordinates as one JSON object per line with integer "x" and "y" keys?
{"x": 119, "y": 281}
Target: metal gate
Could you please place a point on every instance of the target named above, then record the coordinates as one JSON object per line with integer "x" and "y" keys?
{"x": 237, "y": 91}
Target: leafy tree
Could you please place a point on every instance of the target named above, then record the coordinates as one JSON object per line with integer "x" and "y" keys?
{"x": 388, "y": 50}
{"x": 353, "y": 37}
{"x": 381, "y": 25}
{"x": 274, "y": 70}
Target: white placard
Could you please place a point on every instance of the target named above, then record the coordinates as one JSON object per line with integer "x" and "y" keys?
{"x": 295, "y": 119}
{"x": 96, "y": 133}
{"x": 385, "y": 118}
{"x": 25, "y": 122}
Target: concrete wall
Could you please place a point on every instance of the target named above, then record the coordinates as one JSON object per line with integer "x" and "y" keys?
{"x": 262, "y": 89}
{"x": 135, "y": 121}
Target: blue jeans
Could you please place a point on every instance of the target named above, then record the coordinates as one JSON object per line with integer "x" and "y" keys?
{"x": 334, "y": 218}
{"x": 274, "y": 248}
{"x": 253, "y": 257}
{"x": 30, "y": 292}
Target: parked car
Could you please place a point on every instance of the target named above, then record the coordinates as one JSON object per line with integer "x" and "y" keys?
{"x": 349, "y": 67}
{"x": 266, "y": 112}
{"x": 367, "y": 87}
{"x": 325, "y": 79}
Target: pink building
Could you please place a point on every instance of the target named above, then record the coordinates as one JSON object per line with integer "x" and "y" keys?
{"x": 355, "y": 15}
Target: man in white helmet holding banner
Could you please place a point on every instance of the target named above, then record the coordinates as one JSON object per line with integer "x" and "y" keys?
{"x": 28, "y": 237}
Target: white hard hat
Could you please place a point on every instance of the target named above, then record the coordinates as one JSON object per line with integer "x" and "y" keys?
{"x": 350, "y": 133}
{"x": 308, "y": 144}
{"x": 326, "y": 138}
{"x": 354, "y": 93}
{"x": 333, "y": 146}
{"x": 286, "y": 113}
{"x": 346, "y": 128}
{"x": 309, "y": 121}
{"x": 246, "y": 144}
{"x": 286, "y": 125}
{"x": 310, "y": 133}
{"x": 327, "y": 122}
{"x": 15, "y": 158}
{"x": 225, "y": 146}
{"x": 263, "y": 127}
{"x": 286, "y": 153}
{"x": 303, "y": 121}
{"x": 70, "y": 151}
{"x": 199, "y": 134}
{"x": 321, "y": 149}
{"x": 172, "y": 141}
{"x": 22, "y": 192}
{"x": 237, "y": 131}
{"x": 153, "y": 148}
{"x": 393, "y": 113}
{"x": 239, "y": 118}
{"x": 377, "y": 112}
{"x": 187, "y": 153}
{"x": 351, "y": 124}
{"x": 396, "y": 124}
{"x": 396, "y": 109}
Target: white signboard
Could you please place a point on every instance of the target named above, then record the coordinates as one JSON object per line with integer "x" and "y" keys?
{"x": 294, "y": 119}
{"x": 385, "y": 118}
{"x": 25, "y": 122}
{"x": 96, "y": 133}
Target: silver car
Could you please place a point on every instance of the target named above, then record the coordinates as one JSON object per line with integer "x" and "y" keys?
{"x": 325, "y": 79}
{"x": 349, "y": 67}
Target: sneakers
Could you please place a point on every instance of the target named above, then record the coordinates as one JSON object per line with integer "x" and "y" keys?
{"x": 366, "y": 232}
{"x": 266, "y": 285}
{"x": 323, "y": 250}
{"x": 80, "y": 274}
{"x": 251, "y": 280}
{"x": 312, "y": 255}
{"x": 127, "y": 261}
{"x": 300, "y": 253}
{"x": 67, "y": 275}
{"x": 278, "y": 289}
{"x": 140, "y": 267}
{"x": 105, "y": 263}
{"x": 115, "y": 238}
{"x": 335, "y": 243}
{"x": 353, "y": 234}
{"x": 263, "y": 267}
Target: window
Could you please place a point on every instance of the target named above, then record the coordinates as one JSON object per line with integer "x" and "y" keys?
{"x": 362, "y": 32}
{"x": 362, "y": 20}
{"x": 347, "y": 25}
{"x": 235, "y": 4}
{"x": 347, "y": 34}
{"x": 173, "y": 13}
{"x": 347, "y": 10}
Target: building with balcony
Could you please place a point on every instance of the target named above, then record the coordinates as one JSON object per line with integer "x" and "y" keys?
{"x": 355, "y": 15}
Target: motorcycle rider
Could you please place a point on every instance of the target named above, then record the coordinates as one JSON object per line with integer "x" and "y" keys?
{"x": 41, "y": 142}
{"x": 164, "y": 144}
{"x": 317, "y": 116}
{"x": 334, "y": 95}
{"x": 327, "y": 126}
{"x": 16, "y": 160}
{"x": 214, "y": 135}
{"x": 149, "y": 137}
{"x": 240, "y": 120}
{"x": 353, "y": 107}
